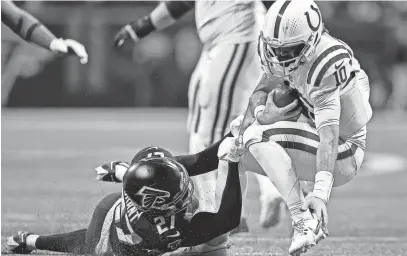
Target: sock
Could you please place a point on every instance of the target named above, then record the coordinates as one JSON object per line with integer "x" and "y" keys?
{"x": 69, "y": 242}
{"x": 31, "y": 240}
{"x": 280, "y": 171}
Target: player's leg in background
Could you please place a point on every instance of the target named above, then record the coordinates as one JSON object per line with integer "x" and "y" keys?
{"x": 246, "y": 79}
{"x": 98, "y": 236}
{"x": 198, "y": 121}
{"x": 219, "y": 75}
{"x": 83, "y": 241}
{"x": 25, "y": 242}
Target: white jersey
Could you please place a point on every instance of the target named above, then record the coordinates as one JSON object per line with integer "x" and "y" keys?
{"x": 233, "y": 21}
{"x": 335, "y": 90}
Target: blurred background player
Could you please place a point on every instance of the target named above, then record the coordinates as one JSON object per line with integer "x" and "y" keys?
{"x": 30, "y": 29}
{"x": 221, "y": 83}
{"x": 155, "y": 212}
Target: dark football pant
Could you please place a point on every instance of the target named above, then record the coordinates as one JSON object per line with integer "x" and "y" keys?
{"x": 82, "y": 241}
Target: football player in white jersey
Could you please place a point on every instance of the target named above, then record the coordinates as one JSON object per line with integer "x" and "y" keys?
{"x": 296, "y": 50}
{"x": 222, "y": 81}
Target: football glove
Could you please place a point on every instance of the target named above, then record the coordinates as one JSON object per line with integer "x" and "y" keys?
{"x": 125, "y": 33}
{"x": 234, "y": 126}
{"x": 107, "y": 172}
{"x": 69, "y": 46}
{"x": 231, "y": 149}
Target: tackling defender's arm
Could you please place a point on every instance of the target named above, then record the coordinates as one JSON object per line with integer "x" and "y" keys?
{"x": 195, "y": 164}
{"x": 30, "y": 29}
{"x": 204, "y": 161}
{"x": 164, "y": 15}
{"x": 205, "y": 226}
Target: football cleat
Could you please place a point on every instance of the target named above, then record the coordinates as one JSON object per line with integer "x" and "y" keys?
{"x": 18, "y": 244}
{"x": 270, "y": 212}
{"x": 307, "y": 232}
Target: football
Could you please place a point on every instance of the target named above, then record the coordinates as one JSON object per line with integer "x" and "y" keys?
{"x": 284, "y": 95}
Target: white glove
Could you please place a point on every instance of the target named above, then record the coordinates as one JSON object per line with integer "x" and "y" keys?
{"x": 66, "y": 46}
{"x": 113, "y": 171}
{"x": 231, "y": 149}
{"x": 234, "y": 126}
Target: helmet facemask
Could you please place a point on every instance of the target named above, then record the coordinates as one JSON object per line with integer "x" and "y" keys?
{"x": 282, "y": 59}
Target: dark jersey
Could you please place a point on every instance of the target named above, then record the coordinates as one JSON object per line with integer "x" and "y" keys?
{"x": 132, "y": 232}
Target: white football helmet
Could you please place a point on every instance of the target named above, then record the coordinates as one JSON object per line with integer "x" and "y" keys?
{"x": 290, "y": 33}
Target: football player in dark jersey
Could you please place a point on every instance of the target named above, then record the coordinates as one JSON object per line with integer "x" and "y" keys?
{"x": 154, "y": 213}
{"x": 31, "y": 30}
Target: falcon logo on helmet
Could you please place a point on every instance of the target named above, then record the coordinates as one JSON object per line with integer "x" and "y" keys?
{"x": 291, "y": 32}
{"x": 156, "y": 182}
{"x": 152, "y": 198}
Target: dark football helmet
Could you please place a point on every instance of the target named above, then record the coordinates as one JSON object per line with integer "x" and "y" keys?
{"x": 156, "y": 183}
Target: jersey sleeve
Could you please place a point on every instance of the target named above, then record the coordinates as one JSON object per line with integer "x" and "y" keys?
{"x": 334, "y": 74}
{"x": 204, "y": 161}
{"x": 205, "y": 226}
{"x": 326, "y": 103}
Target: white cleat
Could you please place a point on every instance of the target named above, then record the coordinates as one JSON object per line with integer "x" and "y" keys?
{"x": 307, "y": 233}
{"x": 18, "y": 244}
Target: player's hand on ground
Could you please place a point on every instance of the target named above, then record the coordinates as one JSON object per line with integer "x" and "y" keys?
{"x": 272, "y": 114}
{"x": 231, "y": 149}
{"x": 318, "y": 207}
{"x": 69, "y": 46}
{"x": 107, "y": 172}
{"x": 125, "y": 33}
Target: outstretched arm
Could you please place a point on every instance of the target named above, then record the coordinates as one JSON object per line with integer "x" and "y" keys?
{"x": 30, "y": 29}
{"x": 25, "y": 25}
{"x": 205, "y": 226}
{"x": 164, "y": 15}
{"x": 195, "y": 164}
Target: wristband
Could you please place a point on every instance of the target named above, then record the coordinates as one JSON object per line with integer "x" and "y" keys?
{"x": 161, "y": 17}
{"x": 131, "y": 32}
{"x": 323, "y": 185}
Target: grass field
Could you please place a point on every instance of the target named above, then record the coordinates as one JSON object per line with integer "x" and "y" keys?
{"x": 48, "y": 184}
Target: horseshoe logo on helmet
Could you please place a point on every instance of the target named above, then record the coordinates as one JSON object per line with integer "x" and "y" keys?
{"x": 314, "y": 28}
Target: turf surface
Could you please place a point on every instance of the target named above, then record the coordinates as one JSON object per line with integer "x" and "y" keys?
{"x": 48, "y": 184}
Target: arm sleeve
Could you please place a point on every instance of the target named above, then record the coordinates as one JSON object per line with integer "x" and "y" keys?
{"x": 205, "y": 226}
{"x": 327, "y": 107}
{"x": 204, "y": 161}
{"x": 25, "y": 25}
{"x": 164, "y": 15}
{"x": 325, "y": 95}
